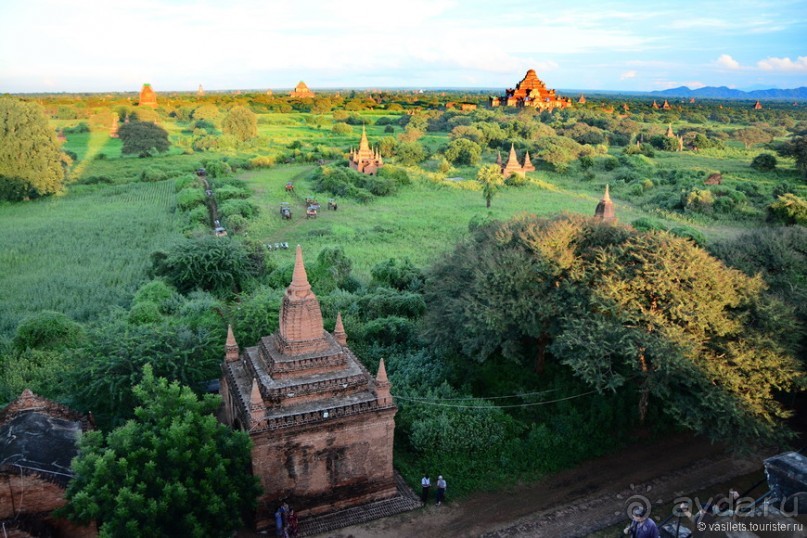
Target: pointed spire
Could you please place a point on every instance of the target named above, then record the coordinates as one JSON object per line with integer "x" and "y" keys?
{"x": 381, "y": 376}
{"x": 364, "y": 146}
{"x": 528, "y": 166}
{"x": 670, "y": 133}
{"x": 605, "y": 209}
{"x": 257, "y": 413}
{"x": 339, "y": 333}
{"x": 512, "y": 157}
{"x": 299, "y": 286}
{"x": 382, "y": 386}
{"x": 231, "y": 350}
{"x": 499, "y": 157}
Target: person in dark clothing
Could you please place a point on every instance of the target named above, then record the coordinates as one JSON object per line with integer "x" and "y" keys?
{"x": 642, "y": 526}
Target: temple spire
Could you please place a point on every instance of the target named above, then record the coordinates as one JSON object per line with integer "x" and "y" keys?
{"x": 605, "y": 209}
{"x": 339, "y": 333}
{"x": 299, "y": 281}
{"x": 231, "y": 350}
{"x": 256, "y": 407}
{"x": 364, "y": 146}
{"x": 382, "y": 386}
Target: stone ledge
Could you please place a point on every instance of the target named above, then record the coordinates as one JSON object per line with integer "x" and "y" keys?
{"x": 404, "y": 501}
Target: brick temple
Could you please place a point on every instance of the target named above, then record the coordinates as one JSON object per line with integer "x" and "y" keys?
{"x": 321, "y": 425}
{"x": 38, "y": 440}
{"x": 147, "y": 96}
{"x": 513, "y": 166}
{"x": 531, "y": 92}
{"x": 301, "y": 91}
{"x": 365, "y": 160}
{"x": 605, "y": 211}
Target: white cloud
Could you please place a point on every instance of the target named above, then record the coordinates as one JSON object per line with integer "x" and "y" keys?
{"x": 728, "y": 62}
{"x": 627, "y": 75}
{"x": 783, "y": 64}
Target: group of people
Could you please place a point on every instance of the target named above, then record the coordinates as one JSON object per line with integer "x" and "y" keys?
{"x": 426, "y": 484}
{"x": 286, "y": 524}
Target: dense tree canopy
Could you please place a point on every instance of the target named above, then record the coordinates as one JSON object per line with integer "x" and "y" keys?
{"x": 142, "y": 138}
{"x": 240, "y": 122}
{"x": 30, "y": 160}
{"x": 172, "y": 471}
{"x": 625, "y": 310}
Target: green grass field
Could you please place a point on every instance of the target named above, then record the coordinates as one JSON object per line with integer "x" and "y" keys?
{"x": 83, "y": 253}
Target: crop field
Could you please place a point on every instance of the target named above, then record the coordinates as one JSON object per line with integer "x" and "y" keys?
{"x": 83, "y": 253}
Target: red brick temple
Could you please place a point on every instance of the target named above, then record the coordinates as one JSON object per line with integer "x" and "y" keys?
{"x": 605, "y": 209}
{"x": 365, "y": 160}
{"x": 301, "y": 91}
{"x": 513, "y": 166}
{"x": 147, "y": 96}
{"x": 531, "y": 92}
{"x": 321, "y": 425}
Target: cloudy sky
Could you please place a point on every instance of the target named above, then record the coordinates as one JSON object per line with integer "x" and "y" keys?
{"x": 111, "y": 45}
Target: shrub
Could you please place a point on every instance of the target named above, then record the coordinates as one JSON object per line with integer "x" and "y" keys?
{"x": 144, "y": 313}
{"x": 218, "y": 168}
{"x": 189, "y": 198}
{"x": 245, "y": 208}
{"x": 788, "y": 209}
{"x": 646, "y": 224}
{"x": 690, "y": 233}
{"x": 516, "y": 180}
{"x": 342, "y": 129}
{"x": 48, "y": 330}
{"x": 263, "y": 161}
{"x": 152, "y": 174}
{"x": 764, "y": 162}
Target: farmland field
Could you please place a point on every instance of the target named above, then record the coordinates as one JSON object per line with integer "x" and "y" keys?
{"x": 83, "y": 253}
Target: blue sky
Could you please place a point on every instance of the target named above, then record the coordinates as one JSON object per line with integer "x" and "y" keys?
{"x": 110, "y": 45}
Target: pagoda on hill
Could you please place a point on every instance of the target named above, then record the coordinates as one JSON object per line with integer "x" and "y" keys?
{"x": 512, "y": 166}
{"x": 757, "y": 106}
{"x": 321, "y": 425}
{"x": 365, "y": 160}
{"x": 605, "y": 209}
{"x": 531, "y": 92}
{"x": 301, "y": 91}
{"x": 147, "y": 96}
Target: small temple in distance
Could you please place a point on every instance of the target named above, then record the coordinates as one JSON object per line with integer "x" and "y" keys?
{"x": 301, "y": 91}
{"x": 321, "y": 425}
{"x": 531, "y": 92}
{"x": 147, "y": 96}
{"x": 512, "y": 166}
{"x": 365, "y": 160}
{"x": 605, "y": 209}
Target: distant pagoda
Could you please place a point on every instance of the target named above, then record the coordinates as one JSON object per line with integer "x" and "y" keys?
{"x": 512, "y": 166}
{"x": 201, "y": 91}
{"x": 147, "y": 96}
{"x": 365, "y": 160}
{"x": 301, "y": 91}
{"x": 757, "y": 106}
{"x": 605, "y": 209}
{"x": 531, "y": 92}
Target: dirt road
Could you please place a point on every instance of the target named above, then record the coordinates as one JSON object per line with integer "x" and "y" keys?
{"x": 573, "y": 502}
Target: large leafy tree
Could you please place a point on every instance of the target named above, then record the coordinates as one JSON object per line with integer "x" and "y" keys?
{"x": 174, "y": 470}
{"x": 142, "y": 138}
{"x": 30, "y": 160}
{"x": 241, "y": 122}
{"x": 626, "y": 311}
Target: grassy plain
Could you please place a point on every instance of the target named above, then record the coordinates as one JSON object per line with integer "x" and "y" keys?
{"x": 81, "y": 253}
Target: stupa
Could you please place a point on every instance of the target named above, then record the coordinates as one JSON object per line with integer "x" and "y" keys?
{"x": 512, "y": 166}
{"x": 605, "y": 209}
{"x": 321, "y": 425}
{"x": 365, "y": 160}
{"x": 147, "y": 96}
{"x": 301, "y": 91}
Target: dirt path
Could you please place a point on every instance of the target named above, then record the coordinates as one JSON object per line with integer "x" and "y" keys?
{"x": 573, "y": 502}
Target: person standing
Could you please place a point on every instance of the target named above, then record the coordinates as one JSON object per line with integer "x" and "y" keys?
{"x": 642, "y": 526}
{"x": 441, "y": 490}
{"x": 425, "y": 484}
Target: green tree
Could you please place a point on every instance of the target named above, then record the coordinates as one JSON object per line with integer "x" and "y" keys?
{"x": 751, "y": 136}
{"x": 410, "y": 153}
{"x": 30, "y": 160}
{"x": 240, "y": 122}
{"x": 216, "y": 264}
{"x": 764, "y": 161}
{"x": 143, "y": 138}
{"x": 788, "y": 209}
{"x": 628, "y": 312}
{"x": 490, "y": 177}
{"x": 463, "y": 152}
{"x": 172, "y": 471}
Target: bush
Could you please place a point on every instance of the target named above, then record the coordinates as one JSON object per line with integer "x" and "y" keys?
{"x": 342, "y": 129}
{"x": 218, "y": 168}
{"x": 764, "y": 162}
{"x": 690, "y": 233}
{"x": 788, "y": 209}
{"x": 189, "y": 198}
{"x": 245, "y": 208}
{"x": 144, "y": 313}
{"x": 516, "y": 180}
{"x": 48, "y": 330}
{"x": 646, "y": 224}
{"x": 152, "y": 174}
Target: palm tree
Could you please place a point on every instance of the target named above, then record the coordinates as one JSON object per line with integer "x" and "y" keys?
{"x": 491, "y": 178}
